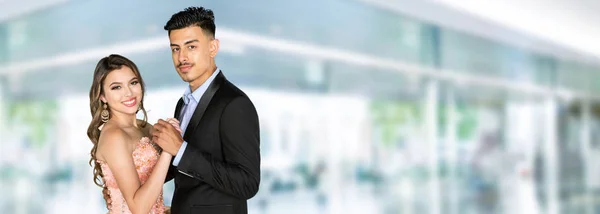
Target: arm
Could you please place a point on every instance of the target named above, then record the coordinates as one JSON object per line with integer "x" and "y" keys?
{"x": 139, "y": 198}
{"x": 170, "y": 172}
{"x": 172, "y": 167}
{"x": 239, "y": 173}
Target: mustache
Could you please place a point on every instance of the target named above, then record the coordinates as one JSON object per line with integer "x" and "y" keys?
{"x": 184, "y": 64}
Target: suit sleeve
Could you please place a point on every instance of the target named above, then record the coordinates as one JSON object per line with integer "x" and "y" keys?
{"x": 238, "y": 173}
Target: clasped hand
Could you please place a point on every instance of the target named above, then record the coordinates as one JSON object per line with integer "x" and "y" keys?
{"x": 167, "y": 134}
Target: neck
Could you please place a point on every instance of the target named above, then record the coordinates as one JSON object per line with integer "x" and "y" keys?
{"x": 202, "y": 79}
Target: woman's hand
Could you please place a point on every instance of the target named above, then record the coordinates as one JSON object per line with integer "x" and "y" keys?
{"x": 175, "y": 124}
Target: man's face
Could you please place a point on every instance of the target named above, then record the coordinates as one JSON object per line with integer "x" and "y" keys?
{"x": 193, "y": 54}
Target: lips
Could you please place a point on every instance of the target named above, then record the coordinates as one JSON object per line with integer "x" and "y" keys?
{"x": 185, "y": 68}
{"x": 130, "y": 103}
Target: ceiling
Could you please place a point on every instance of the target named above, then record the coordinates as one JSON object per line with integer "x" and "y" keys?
{"x": 562, "y": 28}
{"x": 13, "y": 8}
{"x": 574, "y": 24}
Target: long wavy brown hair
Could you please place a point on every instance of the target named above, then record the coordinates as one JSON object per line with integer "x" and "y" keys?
{"x": 103, "y": 68}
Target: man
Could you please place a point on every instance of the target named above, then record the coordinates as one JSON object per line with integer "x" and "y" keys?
{"x": 216, "y": 162}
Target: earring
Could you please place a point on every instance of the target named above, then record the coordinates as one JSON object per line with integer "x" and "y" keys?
{"x": 104, "y": 115}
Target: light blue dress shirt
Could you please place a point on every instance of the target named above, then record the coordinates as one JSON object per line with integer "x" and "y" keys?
{"x": 191, "y": 100}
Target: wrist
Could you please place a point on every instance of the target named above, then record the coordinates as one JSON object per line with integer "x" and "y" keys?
{"x": 179, "y": 144}
{"x": 165, "y": 153}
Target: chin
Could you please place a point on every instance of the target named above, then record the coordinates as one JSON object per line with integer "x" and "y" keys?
{"x": 131, "y": 110}
{"x": 187, "y": 78}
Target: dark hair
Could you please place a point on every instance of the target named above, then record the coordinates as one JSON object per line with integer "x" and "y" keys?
{"x": 103, "y": 68}
{"x": 193, "y": 16}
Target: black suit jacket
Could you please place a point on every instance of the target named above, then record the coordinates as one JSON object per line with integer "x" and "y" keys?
{"x": 220, "y": 167}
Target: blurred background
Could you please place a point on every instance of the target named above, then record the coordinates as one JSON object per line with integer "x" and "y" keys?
{"x": 365, "y": 106}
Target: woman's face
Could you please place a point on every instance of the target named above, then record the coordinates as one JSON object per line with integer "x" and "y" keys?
{"x": 122, "y": 91}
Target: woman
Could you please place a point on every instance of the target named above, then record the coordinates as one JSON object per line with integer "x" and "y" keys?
{"x": 129, "y": 167}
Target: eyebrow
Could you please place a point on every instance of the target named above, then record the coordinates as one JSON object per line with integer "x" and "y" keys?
{"x": 117, "y": 83}
{"x": 188, "y": 42}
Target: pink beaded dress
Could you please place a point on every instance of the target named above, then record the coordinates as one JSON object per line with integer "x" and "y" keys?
{"x": 145, "y": 156}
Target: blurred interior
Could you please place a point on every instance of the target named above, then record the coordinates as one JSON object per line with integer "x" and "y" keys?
{"x": 364, "y": 107}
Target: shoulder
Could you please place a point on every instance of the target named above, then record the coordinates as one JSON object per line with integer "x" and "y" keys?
{"x": 236, "y": 105}
{"x": 239, "y": 108}
{"x": 229, "y": 89}
{"x": 113, "y": 138}
{"x": 229, "y": 93}
{"x": 239, "y": 102}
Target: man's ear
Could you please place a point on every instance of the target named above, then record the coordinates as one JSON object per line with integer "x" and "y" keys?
{"x": 213, "y": 47}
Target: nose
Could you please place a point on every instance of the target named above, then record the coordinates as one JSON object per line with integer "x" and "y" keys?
{"x": 127, "y": 91}
{"x": 182, "y": 56}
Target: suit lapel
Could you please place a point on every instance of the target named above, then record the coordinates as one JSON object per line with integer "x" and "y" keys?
{"x": 203, "y": 104}
{"x": 178, "y": 109}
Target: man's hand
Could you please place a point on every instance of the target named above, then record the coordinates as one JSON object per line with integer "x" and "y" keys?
{"x": 167, "y": 137}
